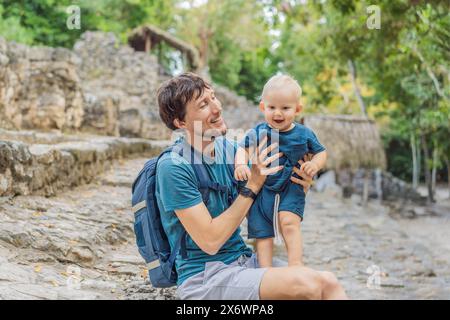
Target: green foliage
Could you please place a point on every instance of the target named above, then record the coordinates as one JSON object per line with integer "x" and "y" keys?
{"x": 233, "y": 41}
{"x": 44, "y": 21}
{"x": 12, "y": 29}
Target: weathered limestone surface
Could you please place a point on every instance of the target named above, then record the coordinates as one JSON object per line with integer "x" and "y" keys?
{"x": 45, "y": 168}
{"x": 39, "y": 88}
{"x": 101, "y": 87}
{"x": 80, "y": 244}
{"x": 127, "y": 81}
{"x": 380, "y": 184}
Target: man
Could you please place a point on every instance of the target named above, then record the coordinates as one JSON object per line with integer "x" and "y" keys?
{"x": 218, "y": 264}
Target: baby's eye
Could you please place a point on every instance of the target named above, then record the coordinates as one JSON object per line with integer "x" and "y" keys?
{"x": 286, "y": 108}
{"x": 271, "y": 107}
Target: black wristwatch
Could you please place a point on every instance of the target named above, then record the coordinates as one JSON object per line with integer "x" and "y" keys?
{"x": 247, "y": 192}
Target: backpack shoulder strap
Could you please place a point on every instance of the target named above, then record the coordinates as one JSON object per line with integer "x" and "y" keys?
{"x": 202, "y": 175}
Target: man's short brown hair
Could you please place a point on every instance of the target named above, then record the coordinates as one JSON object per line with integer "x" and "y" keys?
{"x": 174, "y": 95}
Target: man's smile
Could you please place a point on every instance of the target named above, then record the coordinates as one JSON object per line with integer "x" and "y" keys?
{"x": 217, "y": 120}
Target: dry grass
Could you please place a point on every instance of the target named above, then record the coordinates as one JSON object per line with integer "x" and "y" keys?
{"x": 352, "y": 142}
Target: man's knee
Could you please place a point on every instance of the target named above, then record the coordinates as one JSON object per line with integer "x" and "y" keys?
{"x": 329, "y": 280}
{"x": 308, "y": 286}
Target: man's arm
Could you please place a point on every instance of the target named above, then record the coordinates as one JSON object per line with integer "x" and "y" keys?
{"x": 211, "y": 233}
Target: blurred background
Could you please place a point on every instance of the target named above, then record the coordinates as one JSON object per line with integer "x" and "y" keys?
{"x": 78, "y": 118}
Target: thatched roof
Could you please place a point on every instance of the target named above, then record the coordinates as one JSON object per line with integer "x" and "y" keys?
{"x": 144, "y": 38}
{"x": 352, "y": 142}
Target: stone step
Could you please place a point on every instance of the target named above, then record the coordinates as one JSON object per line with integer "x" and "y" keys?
{"x": 45, "y": 168}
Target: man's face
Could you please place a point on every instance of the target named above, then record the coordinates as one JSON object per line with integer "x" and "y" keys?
{"x": 204, "y": 116}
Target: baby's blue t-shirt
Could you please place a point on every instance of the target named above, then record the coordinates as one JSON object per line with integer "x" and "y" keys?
{"x": 177, "y": 188}
{"x": 294, "y": 144}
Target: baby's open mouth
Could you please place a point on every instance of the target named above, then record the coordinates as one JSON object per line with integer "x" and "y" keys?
{"x": 278, "y": 121}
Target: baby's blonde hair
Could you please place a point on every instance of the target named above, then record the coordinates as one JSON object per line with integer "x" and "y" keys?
{"x": 281, "y": 81}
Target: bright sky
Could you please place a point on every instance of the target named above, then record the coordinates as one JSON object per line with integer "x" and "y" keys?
{"x": 191, "y": 4}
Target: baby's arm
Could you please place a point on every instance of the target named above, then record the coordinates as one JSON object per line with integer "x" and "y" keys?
{"x": 316, "y": 164}
{"x": 241, "y": 169}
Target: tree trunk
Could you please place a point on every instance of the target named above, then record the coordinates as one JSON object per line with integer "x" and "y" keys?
{"x": 433, "y": 172}
{"x": 426, "y": 152}
{"x": 352, "y": 68}
{"x": 447, "y": 162}
{"x": 419, "y": 158}
{"x": 203, "y": 69}
{"x": 415, "y": 172}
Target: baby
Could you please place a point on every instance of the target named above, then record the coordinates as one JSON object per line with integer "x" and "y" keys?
{"x": 280, "y": 202}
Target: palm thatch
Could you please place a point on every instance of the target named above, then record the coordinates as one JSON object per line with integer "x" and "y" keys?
{"x": 145, "y": 37}
{"x": 352, "y": 142}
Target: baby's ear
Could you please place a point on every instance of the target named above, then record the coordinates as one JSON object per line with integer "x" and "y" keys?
{"x": 261, "y": 106}
{"x": 299, "y": 107}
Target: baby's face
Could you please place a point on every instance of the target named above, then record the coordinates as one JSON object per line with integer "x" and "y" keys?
{"x": 280, "y": 107}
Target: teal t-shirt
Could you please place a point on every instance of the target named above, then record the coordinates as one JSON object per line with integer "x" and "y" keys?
{"x": 177, "y": 188}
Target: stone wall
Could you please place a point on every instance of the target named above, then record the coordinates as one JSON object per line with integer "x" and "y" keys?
{"x": 101, "y": 87}
{"x": 120, "y": 84}
{"x": 380, "y": 185}
{"x": 39, "y": 88}
{"x": 238, "y": 112}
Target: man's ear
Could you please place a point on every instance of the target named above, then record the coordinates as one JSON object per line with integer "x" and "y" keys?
{"x": 261, "y": 106}
{"x": 179, "y": 124}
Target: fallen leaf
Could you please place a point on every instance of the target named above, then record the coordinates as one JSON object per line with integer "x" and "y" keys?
{"x": 37, "y": 268}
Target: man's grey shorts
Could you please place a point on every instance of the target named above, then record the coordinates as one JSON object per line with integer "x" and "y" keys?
{"x": 239, "y": 280}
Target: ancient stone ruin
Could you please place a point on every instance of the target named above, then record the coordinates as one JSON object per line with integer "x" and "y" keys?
{"x": 56, "y": 106}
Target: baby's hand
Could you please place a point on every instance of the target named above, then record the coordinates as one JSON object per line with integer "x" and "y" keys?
{"x": 242, "y": 172}
{"x": 310, "y": 168}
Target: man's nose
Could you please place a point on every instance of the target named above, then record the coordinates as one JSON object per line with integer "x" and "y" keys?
{"x": 217, "y": 106}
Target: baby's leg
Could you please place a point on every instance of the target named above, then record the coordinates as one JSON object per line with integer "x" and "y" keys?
{"x": 291, "y": 231}
{"x": 264, "y": 251}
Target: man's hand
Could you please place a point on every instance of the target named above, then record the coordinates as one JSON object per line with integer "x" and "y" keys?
{"x": 310, "y": 168}
{"x": 306, "y": 180}
{"x": 242, "y": 172}
{"x": 260, "y": 163}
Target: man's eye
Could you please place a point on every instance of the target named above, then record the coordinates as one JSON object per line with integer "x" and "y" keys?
{"x": 203, "y": 105}
{"x": 213, "y": 96}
